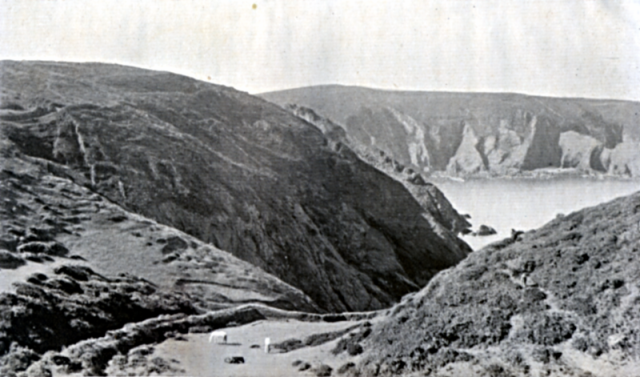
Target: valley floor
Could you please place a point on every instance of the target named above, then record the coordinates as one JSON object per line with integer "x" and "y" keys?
{"x": 198, "y": 357}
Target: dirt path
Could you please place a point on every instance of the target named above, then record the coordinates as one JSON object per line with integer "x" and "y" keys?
{"x": 198, "y": 357}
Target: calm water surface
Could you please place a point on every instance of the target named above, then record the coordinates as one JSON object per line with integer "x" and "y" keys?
{"x": 526, "y": 204}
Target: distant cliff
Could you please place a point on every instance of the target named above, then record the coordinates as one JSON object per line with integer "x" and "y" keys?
{"x": 482, "y": 134}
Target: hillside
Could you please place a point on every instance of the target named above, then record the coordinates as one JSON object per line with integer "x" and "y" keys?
{"x": 438, "y": 209}
{"x": 49, "y": 221}
{"x": 482, "y": 134}
{"x": 563, "y": 300}
{"x": 74, "y": 266}
{"x": 230, "y": 170}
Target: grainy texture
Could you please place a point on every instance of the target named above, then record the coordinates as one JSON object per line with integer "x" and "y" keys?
{"x": 232, "y": 170}
{"x": 437, "y": 208}
{"x": 564, "y": 299}
{"x": 482, "y": 134}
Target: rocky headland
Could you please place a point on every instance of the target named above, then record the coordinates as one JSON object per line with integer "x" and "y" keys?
{"x": 482, "y": 134}
{"x": 231, "y": 170}
{"x": 436, "y": 206}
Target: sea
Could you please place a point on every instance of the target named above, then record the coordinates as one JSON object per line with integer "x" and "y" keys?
{"x": 527, "y": 203}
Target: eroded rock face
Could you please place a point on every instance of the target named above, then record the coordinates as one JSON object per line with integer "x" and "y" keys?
{"x": 232, "y": 170}
{"x": 623, "y": 160}
{"x": 439, "y": 211}
{"x": 539, "y": 304}
{"x": 464, "y": 134}
{"x": 578, "y": 149}
{"x": 467, "y": 159}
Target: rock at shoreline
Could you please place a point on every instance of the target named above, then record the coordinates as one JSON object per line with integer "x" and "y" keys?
{"x": 484, "y": 230}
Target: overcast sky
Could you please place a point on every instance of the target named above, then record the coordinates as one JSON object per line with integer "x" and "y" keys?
{"x": 549, "y": 47}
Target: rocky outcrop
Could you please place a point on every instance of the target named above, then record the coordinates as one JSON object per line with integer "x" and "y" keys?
{"x": 439, "y": 211}
{"x": 562, "y": 300}
{"x": 231, "y": 170}
{"x": 467, "y": 159}
{"x": 480, "y": 134}
{"x": 578, "y": 151}
{"x": 484, "y": 230}
{"x": 623, "y": 160}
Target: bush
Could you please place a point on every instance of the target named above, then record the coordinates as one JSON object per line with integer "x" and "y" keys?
{"x": 346, "y": 367}
{"x": 354, "y": 349}
{"x": 552, "y": 329}
{"x": 323, "y": 370}
{"x": 39, "y": 247}
{"x": 10, "y": 260}
{"x": 288, "y": 345}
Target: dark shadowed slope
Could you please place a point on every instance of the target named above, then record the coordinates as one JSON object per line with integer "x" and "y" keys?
{"x": 75, "y": 266}
{"x": 48, "y": 220}
{"x": 486, "y": 134}
{"x": 438, "y": 209}
{"x": 230, "y": 169}
{"x": 563, "y": 300}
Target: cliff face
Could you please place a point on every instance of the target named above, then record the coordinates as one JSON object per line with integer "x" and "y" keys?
{"x": 438, "y": 210}
{"x": 481, "y": 134}
{"x": 562, "y": 300}
{"x": 231, "y": 170}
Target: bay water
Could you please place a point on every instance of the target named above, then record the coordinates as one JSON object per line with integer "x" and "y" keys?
{"x": 527, "y": 203}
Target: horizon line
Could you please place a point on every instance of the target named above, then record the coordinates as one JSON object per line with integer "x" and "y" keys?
{"x": 439, "y": 91}
{"x": 367, "y": 87}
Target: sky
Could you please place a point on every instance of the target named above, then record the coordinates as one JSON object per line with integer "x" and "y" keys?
{"x": 569, "y": 48}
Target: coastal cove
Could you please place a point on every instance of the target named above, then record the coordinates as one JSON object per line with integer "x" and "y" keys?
{"x": 527, "y": 203}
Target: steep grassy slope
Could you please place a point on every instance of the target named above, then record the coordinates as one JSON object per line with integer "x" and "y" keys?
{"x": 74, "y": 266}
{"x": 559, "y": 301}
{"x": 482, "y": 133}
{"x": 232, "y": 170}
{"x": 48, "y": 220}
{"x": 563, "y": 300}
